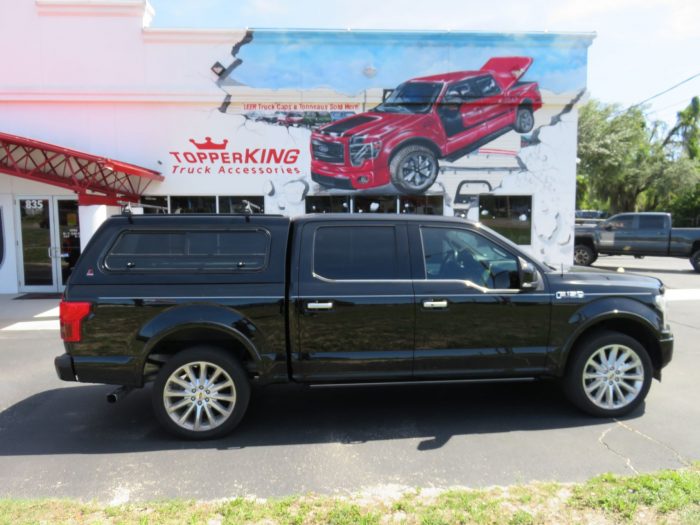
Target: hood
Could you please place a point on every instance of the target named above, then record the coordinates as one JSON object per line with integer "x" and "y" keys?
{"x": 606, "y": 279}
{"x": 374, "y": 124}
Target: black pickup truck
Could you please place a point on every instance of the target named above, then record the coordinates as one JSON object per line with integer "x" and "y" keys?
{"x": 639, "y": 234}
{"x": 207, "y": 306}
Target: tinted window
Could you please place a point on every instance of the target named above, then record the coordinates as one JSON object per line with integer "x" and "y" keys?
{"x": 652, "y": 222}
{"x": 621, "y": 221}
{"x": 461, "y": 254}
{"x": 238, "y": 250}
{"x": 486, "y": 86}
{"x": 356, "y": 252}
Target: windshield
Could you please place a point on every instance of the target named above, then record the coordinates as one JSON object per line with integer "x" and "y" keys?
{"x": 411, "y": 97}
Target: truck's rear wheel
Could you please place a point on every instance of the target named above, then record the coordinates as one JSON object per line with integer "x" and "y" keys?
{"x": 201, "y": 393}
{"x": 695, "y": 260}
{"x": 609, "y": 375}
{"x": 414, "y": 169}
{"x": 584, "y": 255}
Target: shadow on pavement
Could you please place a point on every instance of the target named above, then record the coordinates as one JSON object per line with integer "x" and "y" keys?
{"x": 78, "y": 420}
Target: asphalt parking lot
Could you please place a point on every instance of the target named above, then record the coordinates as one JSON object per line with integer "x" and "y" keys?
{"x": 63, "y": 440}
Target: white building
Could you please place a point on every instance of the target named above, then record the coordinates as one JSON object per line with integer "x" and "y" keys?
{"x": 221, "y": 121}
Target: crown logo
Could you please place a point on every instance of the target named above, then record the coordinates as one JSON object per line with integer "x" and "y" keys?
{"x": 208, "y": 144}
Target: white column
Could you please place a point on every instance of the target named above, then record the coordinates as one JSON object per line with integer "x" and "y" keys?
{"x": 91, "y": 217}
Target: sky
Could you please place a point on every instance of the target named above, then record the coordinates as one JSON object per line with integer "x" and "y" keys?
{"x": 642, "y": 47}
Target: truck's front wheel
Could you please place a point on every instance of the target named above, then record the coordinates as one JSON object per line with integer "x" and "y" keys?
{"x": 414, "y": 169}
{"x": 584, "y": 255}
{"x": 609, "y": 375}
{"x": 201, "y": 393}
{"x": 695, "y": 260}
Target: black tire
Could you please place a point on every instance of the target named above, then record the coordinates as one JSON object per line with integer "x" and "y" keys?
{"x": 213, "y": 358}
{"x": 583, "y": 362}
{"x": 695, "y": 260}
{"x": 414, "y": 169}
{"x": 584, "y": 255}
{"x": 524, "y": 119}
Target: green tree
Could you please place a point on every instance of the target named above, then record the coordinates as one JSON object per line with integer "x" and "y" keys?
{"x": 686, "y": 133}
{"x": 627, "y": 163}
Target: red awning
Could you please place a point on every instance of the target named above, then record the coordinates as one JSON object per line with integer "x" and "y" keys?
{"x": 96, "y": 180}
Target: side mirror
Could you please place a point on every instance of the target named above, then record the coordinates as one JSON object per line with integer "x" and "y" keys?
{"x": 608, "y": 227}
{"x": 529, "y": 276}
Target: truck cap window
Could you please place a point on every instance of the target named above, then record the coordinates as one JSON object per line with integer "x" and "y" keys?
{"x": 232, "y": 250}
{"x": 355, "y": 252}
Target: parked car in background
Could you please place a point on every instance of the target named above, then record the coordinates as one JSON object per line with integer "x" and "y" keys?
{"x": 423, "y": 120}
{"x": 294, "y": 118}
{"x": 315, "y": 119}
{"x": 647, "y": 233}
{"x": 589, "y": 216}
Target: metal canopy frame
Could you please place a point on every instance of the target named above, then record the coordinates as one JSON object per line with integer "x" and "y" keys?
{"x": 96, "y": 180}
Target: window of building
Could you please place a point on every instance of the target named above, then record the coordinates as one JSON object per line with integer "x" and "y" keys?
{"x": 328, "y": 204}
{"x": 242, "y": 204}
{"x": 356, "y": 252}
{"x": 451, "y": 253}
{"x": 509, "y": 215}
{"x": 232, "y": 250}
{"x": 375, "y": 204}
{"x": 424, "y": 205}
{"x": 192, "y": 204}
{"x": 153, "y": 204}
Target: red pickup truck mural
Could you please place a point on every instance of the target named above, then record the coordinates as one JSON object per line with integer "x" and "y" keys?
{"x": 423, "y": 120}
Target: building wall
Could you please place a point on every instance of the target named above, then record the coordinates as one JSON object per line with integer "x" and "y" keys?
{"x": 93, "y": 76}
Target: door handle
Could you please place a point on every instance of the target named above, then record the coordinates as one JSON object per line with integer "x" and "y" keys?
{"x": 320, "y": 306}
{"x": 435, "y": 304}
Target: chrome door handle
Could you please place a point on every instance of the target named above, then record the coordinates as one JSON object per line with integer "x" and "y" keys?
{"x": 435, "y": 304}
{"x": 320, "y": 306}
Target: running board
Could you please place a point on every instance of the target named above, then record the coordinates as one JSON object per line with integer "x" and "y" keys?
{"x": 426, "y": 382}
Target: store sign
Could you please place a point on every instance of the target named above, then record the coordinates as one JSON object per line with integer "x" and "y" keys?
{"x": 211, "y": 157}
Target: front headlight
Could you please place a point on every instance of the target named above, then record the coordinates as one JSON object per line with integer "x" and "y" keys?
{"x": 363, "y": 148}
{"x": 660, "y": 301}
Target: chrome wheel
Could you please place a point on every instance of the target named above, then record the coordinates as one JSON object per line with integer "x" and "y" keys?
{"x": 418, "y": 169}
{"x": 199, "y": 396}
{"x": 613, "y": 377}
{"x": 583, "y": 255}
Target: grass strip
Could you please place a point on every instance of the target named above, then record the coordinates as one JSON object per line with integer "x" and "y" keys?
{"x": 669, "y": 496}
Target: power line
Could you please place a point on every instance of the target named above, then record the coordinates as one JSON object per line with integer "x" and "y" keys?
{"x": 673, "y": 105}
{"x": 665, "y": 91}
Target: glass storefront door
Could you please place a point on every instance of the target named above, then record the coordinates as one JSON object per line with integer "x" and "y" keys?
{"x": 49, "y": 242}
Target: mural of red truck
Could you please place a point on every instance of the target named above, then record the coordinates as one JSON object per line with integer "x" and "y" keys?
{"x": 425, "y": 119}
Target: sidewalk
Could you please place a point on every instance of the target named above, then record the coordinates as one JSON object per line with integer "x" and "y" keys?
{"x": 27, "y": 314}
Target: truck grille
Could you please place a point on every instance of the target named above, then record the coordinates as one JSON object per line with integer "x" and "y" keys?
{"x": 328, "y": 151}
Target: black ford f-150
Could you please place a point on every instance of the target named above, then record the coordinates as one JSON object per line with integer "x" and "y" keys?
{"x": 639, "y": 234}
{"x": 206, "y": 306}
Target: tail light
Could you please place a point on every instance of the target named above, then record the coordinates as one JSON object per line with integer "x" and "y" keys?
{"x": 71, "y": 316}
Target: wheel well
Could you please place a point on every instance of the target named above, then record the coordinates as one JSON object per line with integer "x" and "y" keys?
{"x": 188, "y": 337}
{"x": 416, "y": 142}
{"x": 644, "y": 335}
{"x": 695, "y": 248}
{"x": 585, "y": 242}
